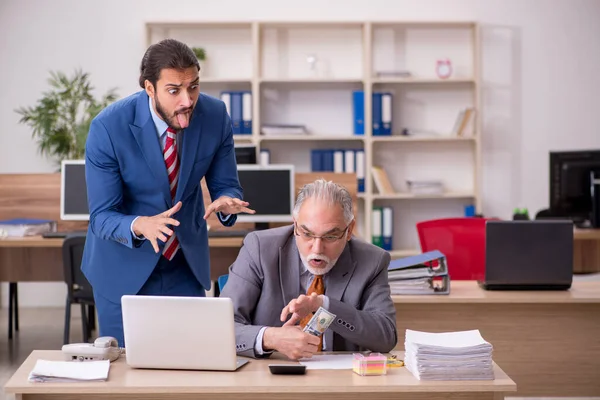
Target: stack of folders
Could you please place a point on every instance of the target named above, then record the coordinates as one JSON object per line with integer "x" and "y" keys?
{"x": 425, "y": 273}
{"x": 448, "y": 356}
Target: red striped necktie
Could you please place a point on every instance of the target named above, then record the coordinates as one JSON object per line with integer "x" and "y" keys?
{"x": 172, "y": 163}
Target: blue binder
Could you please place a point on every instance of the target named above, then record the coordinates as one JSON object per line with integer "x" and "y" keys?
{"x": 377, "y": 123}
{"x": 246, "y": 113}
{"x": 236, "y": 112}
{"x": 358, "y": 102}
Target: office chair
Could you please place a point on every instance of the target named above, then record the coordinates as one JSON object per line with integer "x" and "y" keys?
{"x": 222, "y": 281}
{"x": 79, "y": 290}
{"x": 461, "y": 240}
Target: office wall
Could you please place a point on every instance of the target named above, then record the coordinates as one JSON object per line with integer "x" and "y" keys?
{"x": 540, "y": 71}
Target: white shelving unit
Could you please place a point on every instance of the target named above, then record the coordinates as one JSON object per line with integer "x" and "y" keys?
{"x": 270, "y": 59}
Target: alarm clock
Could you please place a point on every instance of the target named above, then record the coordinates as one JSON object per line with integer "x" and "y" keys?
{"x": 443, "y": 68}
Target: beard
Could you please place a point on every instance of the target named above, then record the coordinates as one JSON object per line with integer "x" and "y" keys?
{"x": 328, "y": 264}
{"x": 171, "y": 120}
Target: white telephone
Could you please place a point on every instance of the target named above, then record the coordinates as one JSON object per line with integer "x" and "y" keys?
{"x": 103, "y": 348}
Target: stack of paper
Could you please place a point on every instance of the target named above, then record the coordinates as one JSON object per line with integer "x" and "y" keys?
{"x": 69, "y": 371}
{"x": 448, "y": 356}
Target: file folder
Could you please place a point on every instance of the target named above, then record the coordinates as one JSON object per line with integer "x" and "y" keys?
{"x": 425, "y": 273}
{"x": 358, "y": 102}
{"x": 386, "y": 114}
{"x": 360, "y": 169}
{"x": 246, "y": 113}
{"x": 376, "y": 216}
{"x": 236, "y": 112}
{"x": 387, "y": 227}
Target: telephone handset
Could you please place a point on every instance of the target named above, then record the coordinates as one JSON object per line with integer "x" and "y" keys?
{"x": 103, "y": 348}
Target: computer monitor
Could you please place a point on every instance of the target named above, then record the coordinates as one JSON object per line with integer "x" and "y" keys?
{"x": 245, "y": 154}
{"x": 73, "y": 191}
{"x": 270, "y": 191}
{"x": 571, "y": 189}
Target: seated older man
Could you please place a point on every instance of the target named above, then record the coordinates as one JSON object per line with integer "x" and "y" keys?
{"x": 283, "y": 275}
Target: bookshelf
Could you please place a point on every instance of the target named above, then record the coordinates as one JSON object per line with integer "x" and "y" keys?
{"x": 305, "y": 73}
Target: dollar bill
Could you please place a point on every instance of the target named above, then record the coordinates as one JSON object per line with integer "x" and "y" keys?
{"x": 319, "y": 322}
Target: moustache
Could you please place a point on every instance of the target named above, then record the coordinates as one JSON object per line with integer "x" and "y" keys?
{"x": 318, "y": 257}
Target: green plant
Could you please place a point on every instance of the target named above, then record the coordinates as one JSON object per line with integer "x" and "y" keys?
{"x": 61, "y": 118}
{"x": 199, "y": 52}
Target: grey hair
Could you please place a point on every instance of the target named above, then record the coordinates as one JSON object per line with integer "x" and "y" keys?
{"x": 328, "y": 191}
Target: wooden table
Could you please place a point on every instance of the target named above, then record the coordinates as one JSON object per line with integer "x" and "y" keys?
{"x": 253, "y": 381}
{"x": 36, "y": 259}
{"x": 547, "y": 342}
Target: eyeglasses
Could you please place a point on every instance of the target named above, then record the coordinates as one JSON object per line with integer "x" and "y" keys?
{"x": 310, "y": 237}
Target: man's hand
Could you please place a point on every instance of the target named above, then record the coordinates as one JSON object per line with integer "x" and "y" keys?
{"x": 153, "y": 228}
{"x": 228, "y": 205}
{"x": 290, "y": 341}
{"x": 300, "y": 308}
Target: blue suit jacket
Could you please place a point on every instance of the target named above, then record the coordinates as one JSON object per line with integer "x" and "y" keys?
{"x": 126, "y": 177}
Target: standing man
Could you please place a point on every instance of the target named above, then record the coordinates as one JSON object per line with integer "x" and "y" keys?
{"x": 145, "y": 157}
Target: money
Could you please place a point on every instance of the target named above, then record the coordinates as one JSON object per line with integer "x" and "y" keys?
{"x": 319, "y": 322}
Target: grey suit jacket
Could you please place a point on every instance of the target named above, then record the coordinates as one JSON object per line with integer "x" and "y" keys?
{"x": 266, "y": 276}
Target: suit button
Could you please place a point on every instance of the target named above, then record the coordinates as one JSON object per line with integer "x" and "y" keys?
{"x": 352, "y": 328}
{"x": 339, "y": 321}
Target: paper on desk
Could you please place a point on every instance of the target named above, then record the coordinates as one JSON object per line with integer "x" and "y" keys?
{"x": 328, "y": 361}
{"x": 69, "y": 371}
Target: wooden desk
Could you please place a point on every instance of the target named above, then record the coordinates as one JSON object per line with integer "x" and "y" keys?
{"x": 253, "y": 381}
{"x": 40, "y": 260}
{"x": 586, "y": 251}
{"x": 547, "y": 342}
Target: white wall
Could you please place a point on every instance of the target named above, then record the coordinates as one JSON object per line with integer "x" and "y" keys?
{"x": 540, "y": 69}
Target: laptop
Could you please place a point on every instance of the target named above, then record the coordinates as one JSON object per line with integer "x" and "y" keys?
{"x": 192, "y": 333}
{"x": 528, "y": 255}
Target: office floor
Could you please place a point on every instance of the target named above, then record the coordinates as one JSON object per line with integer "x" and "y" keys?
{"x": 42, "y": 329}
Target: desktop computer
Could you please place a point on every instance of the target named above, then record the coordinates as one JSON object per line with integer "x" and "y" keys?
{"x": 575, "y": 187}
{"x": 73, "y": 191}
{"x": 270, "y": 191}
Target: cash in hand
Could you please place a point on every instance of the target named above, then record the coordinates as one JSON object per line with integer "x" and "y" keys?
{"x": 319, "y": 322}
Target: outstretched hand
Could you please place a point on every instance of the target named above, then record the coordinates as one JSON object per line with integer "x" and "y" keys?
{"x": 228, "y": 205}
{"x": 156, "y": 227}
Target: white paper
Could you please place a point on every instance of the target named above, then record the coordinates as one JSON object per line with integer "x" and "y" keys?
{"x": 461, "y": 355}
{"x": 69, "y": 371}
{"x": 328, "y": 361}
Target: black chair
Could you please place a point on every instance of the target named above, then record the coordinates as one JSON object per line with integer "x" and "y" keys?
{"x": 79, "y": 290}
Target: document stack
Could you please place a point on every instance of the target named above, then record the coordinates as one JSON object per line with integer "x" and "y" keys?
{"x": 425, "y": 273}
{"x": 448, "y": 356}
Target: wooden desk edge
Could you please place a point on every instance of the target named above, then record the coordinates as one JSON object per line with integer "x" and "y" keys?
{"x": 18, "y": 384}
{"x": 39, "y": 241}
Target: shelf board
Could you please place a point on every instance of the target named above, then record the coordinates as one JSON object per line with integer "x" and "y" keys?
{"x": 409, "y": 196}
{"x": 243, "y": 138}
{"x": 311, "y": 80}
{"x": 197, "y": 24}
{"x": 423, "y": 80}
{"x": 210, "y": 79}
{"x": 308, "y": 138}
{"x": 417, "y": 138}
{"x": 404, "y": 253}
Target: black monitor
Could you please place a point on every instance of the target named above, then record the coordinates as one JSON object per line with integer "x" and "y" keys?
{"x": 571, "y": 188}
{"x": 245, "y": 154}
{"x": 73, "y": 191}
{"x": 269, "y": 190}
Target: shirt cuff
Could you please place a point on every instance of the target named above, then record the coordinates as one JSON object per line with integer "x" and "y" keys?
{"x": 326, "y": 302}
{"x": 133, "y": 233}
{"x": 258, "y": 349}
{"x": 224, "y": 217}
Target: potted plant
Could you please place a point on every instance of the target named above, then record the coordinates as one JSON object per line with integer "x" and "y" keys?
{"x": 201, "y": 56}
{"x": 61, "y": 118}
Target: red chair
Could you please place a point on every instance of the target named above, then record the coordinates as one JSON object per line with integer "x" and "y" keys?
{"x": 461, "y": 240}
